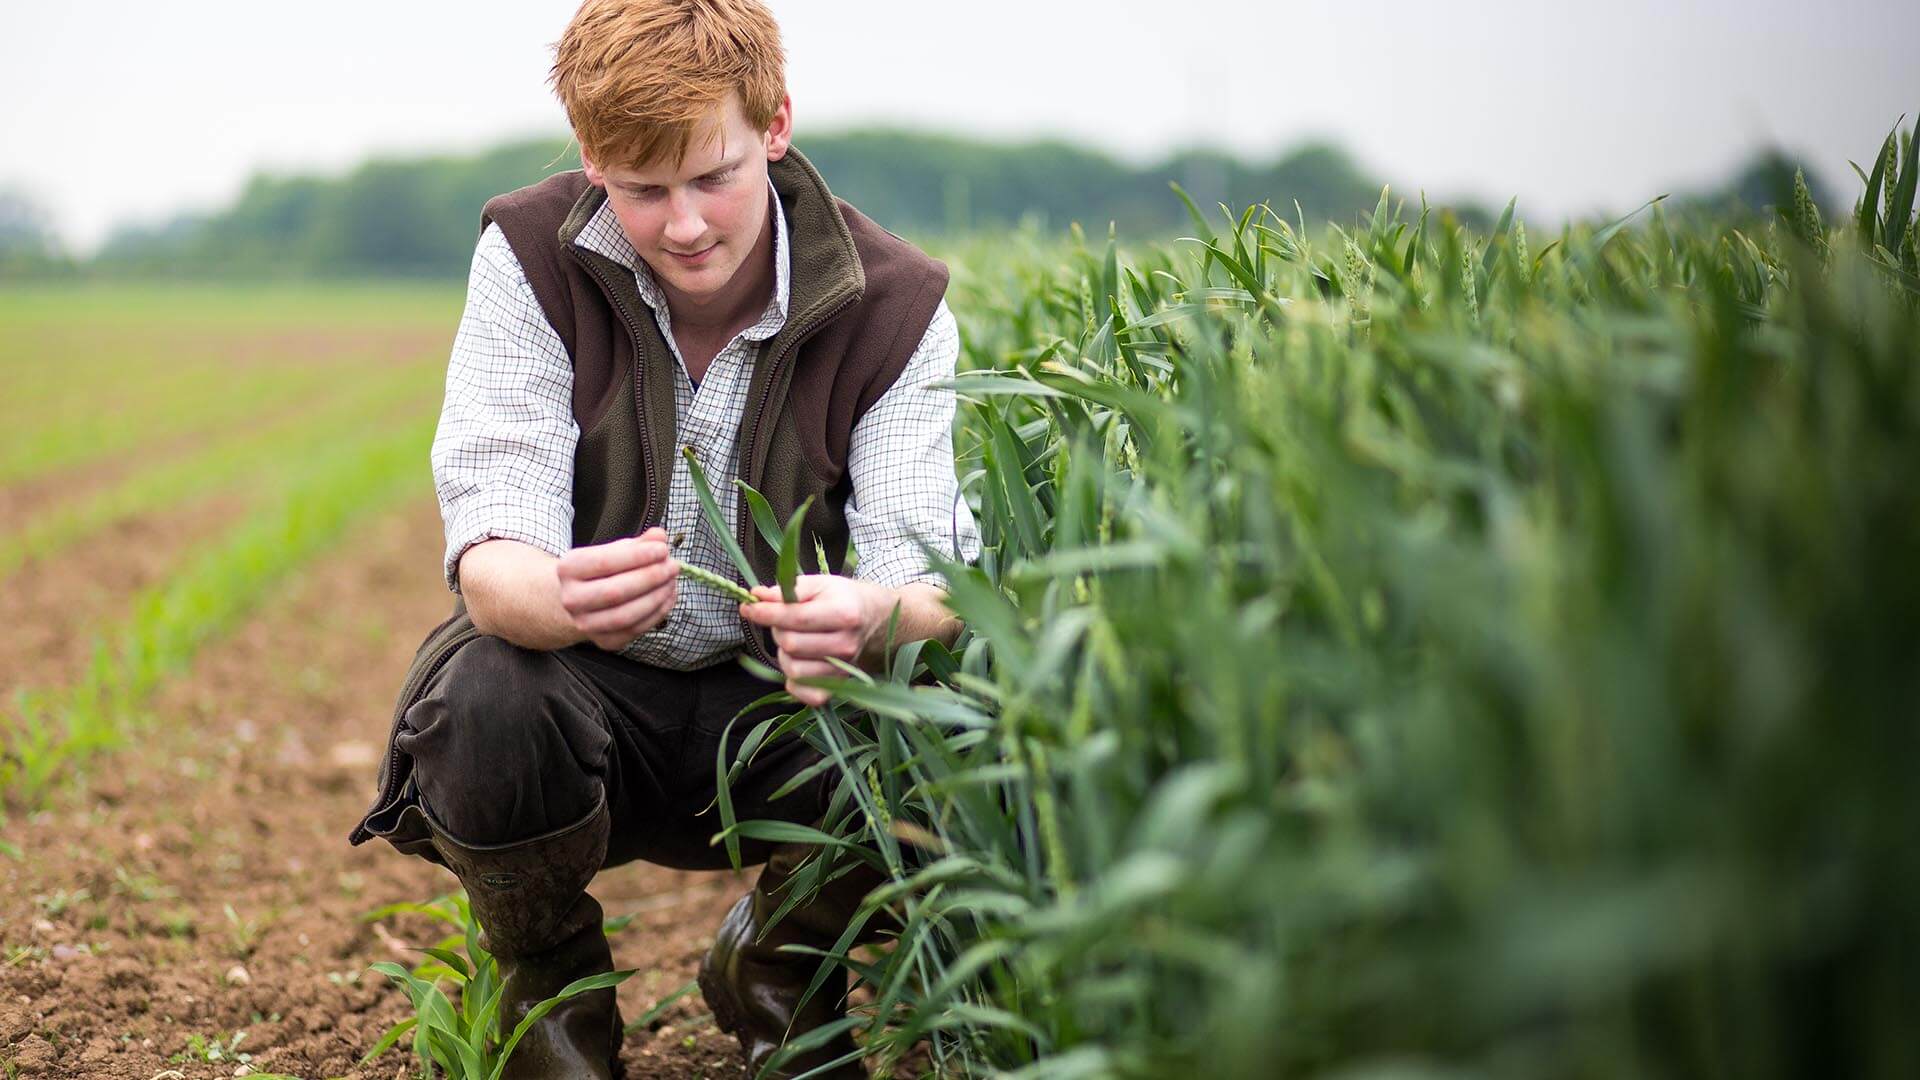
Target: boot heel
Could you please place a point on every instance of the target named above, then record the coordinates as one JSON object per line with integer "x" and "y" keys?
{"x": 728, "y": 1013}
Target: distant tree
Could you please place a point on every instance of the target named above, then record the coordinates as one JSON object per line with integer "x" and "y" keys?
{"x": 28, "y": 243}
{"x": 1763, "y": 185}
{"x": 159, "y": 246}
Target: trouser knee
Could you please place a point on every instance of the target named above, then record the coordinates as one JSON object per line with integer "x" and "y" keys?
{"x": 507, "y": 744}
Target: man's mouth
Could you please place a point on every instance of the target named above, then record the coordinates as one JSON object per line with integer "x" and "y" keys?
{"x": 697, "y": 257}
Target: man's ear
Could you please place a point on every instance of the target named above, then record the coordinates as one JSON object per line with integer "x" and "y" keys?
{"x": 592, "y": 171}
{"x": 780, "y": 131}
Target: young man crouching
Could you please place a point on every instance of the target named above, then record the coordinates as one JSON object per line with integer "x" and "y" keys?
{"x": 696, "y": 284}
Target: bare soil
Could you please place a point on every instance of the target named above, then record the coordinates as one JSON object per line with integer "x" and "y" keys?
{"x": 200, "y": 884}
{"x": 52, "y": 610}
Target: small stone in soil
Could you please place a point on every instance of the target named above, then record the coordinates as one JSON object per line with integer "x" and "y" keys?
{"x": 353, "y": 755}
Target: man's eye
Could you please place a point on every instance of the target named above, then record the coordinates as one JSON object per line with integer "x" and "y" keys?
{"x": 717, "y": 179}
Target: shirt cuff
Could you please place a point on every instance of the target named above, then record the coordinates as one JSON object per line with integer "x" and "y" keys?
{"x": 897, "y": 565}
{"x": 550, "y": 530}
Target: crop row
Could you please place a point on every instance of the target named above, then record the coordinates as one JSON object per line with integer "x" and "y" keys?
{"x": 1417, "y": 651}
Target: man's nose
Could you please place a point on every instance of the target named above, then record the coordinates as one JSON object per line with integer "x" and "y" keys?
{"x": 685, "y": 226}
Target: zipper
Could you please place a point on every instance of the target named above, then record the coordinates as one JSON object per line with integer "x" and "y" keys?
{"x": 651, "y": 499}
{"x": 742, "y": 513}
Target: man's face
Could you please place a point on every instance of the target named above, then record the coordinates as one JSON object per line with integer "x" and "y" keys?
{"x": 696, "y": 225}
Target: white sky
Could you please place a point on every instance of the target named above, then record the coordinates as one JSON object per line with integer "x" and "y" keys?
{"x": 117, "y": 110}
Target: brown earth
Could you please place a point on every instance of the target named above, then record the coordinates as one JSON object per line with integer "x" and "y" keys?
{"x": 53, "y": 610}
{"x": 200, "y": 884}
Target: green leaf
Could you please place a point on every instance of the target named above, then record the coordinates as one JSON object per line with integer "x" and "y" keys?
{"x": 660, "y": 1008}
{"x": 1008, "y": 466}
{"x": 1869, "y": 220}
{"x": 1502, "y": 229}
{"x": 784, "y": 832}
{"x": 722, "y": 529}
{"x": 802, "y": 778}
{"x": 723, "y": 794}
{"x": 485, "y": 1020}
{"x": 763, "y": 517}
{"x": 1417, "y": 245}
{"x": 1601, "y": 238}
{"x": 578, "y": 986}
{"x": 1377, "y": 225}
{"x": 1900, "y": 213}
{"x": 452, "y": 960}
{"x": 388, "y": 1040}
{"x": 789, "y": 568}
{"x": 761, "y": 670}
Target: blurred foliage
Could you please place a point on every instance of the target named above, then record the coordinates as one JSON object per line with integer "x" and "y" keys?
{"x": 28, "y": 245}
{"x": 419, "y": 216}
{"x": 1764, "y": 184}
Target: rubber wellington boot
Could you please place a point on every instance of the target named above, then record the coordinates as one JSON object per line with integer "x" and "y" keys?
{"x": 545, "y": 931}
{"x": 754, "y": 989}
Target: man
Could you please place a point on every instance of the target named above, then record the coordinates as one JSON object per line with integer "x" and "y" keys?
{"x": 695, "y": 284}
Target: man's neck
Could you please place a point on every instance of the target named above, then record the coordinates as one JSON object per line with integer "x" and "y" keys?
{"x": 741, "y": 303}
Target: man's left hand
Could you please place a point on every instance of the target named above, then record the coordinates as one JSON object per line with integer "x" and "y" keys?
{"x": 832, "y": 618}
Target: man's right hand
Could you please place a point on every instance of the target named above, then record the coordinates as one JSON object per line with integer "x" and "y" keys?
{"x": 616, "y": 591}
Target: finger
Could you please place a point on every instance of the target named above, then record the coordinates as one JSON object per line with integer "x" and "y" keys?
{"x": 612, "y": 557}
{"x": 805, "y": 587}
{"x": 811, "y": 696}
{"x": 586, "y": 597}
{"x": 629, "y": 614}
{"x": 810, "y": 617}
{"x": 807, "y": 669}
{"x": 817, "y": 646}
{"x": 799, "y": 667}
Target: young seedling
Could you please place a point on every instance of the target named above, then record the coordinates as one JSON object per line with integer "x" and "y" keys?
{"x": 213, "y": 1050}
{"x": 465, "y": 1041}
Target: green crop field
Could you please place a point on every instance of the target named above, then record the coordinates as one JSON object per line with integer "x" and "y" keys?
{"x": 1398, "y": 651}
{"x": 313, "y": 407}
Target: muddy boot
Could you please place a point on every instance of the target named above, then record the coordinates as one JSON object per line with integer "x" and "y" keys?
{"x": 754, "y": 989}
{"x": 545, "y": 931}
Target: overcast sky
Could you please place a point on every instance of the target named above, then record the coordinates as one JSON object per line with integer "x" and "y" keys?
{"x": 121, "y": 111}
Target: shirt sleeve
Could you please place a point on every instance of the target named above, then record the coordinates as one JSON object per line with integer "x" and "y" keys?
{"x": 901, "y": 462}
{"x": 503, "y": 452}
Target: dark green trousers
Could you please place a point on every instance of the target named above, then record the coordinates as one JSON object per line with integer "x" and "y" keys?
{"x": 508, "y": 744}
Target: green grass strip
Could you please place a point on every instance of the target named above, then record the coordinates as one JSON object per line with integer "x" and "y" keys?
{"x": 386, "y": 398}
{"x": 321, "y": 500}
{"x": 200, "y": 401}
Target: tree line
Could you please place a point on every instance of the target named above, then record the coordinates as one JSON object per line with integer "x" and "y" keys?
{"x": 418, "y": 217}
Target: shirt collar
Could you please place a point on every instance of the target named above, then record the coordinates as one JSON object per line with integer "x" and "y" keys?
{"x": 603, "y": 236}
